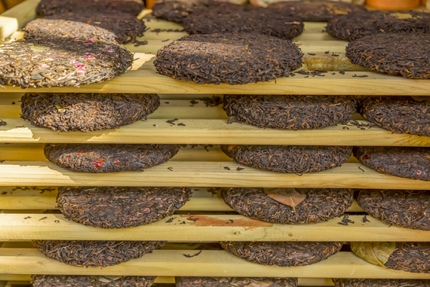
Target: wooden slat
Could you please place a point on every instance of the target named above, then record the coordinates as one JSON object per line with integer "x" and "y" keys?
{"x": 204, "y": 228}
{"x": 207, "y": 263}
{"x": 203, "y": 174}
{"x": 210, "y": 131}
{"x": 17, "y": 17}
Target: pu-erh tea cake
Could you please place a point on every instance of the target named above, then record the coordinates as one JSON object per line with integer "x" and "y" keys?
{"x": 52, "y": 7}
{"x": 407, "y": 162}
{"x": 289, "y": 205}
{"x": 282, "y": 253}
{"x": 93, "y": 281}
{"x": 405, "y": 256}
{"x": 315, "y": 10}
{"x": 178, "y": 10}
{"x": 235, "y": 281}
{"x": 358, "y": 24}
{"x": 86, "y": 112}
{"x": 293, "y": 159}
{"x": 380, "y": 283}
{"x": 236, "y": 58}
{"x": 290, "y": 112}
{"x": 243, "y": 18}
{"x": 402, "y": 114}
{"x": 118, "y": 207}
{"x": 100, "y": 158}
{"x": 95, "y": 253}
{"x": 126, "y": 27}
{"x": 393, "y": 54}
{"x": 61, "y": 63}
{"x": 404, "y": 208}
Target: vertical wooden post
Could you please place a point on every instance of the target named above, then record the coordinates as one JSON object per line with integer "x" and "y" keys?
{"x": 150, "y": 3}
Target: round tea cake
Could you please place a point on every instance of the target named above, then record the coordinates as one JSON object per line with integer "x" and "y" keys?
{"x": 358, "y": 24}
{"x": 235, "y": 281}
{"x": 86, "y": 112}
{"x": 62, "y": 63}
{"x": 99, "y": 158}
{"x": 315, "y": 10}
{"x": 393, "y": 54}
{"x": 244, "y": 19}
{"x": 118, "y": 207}
{"x": 409, "y": 115}
{"x": 126, "y": 27}
{"x": 283, "y": 253}
{"x": 94, "y": 281}
{"x": 405, "y": 256}
{"x": 178, "y": 10}
{"x": 380, "y": 283}
{"x": 289, "y": 206}
{"x": 52, "y": 7}
{"x": 95, "y": 253}
{"x": 404, "y": 208}
{"x": 290, "y": 112}
{"x": 237, "y": 58}
{"x": 408, "y": 162}
{"x": 294, "y": 159}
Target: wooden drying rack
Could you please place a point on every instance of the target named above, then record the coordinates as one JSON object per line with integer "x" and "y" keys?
{"x": 199, "y": 166}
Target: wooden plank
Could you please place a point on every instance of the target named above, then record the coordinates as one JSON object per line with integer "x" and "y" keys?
{"x": 203, "y": 174}
{"x": 211, "y": 131}
{"x": 207, "y": 263}
{"x": 205, "y": 228}
{"x": 18, "y": 17}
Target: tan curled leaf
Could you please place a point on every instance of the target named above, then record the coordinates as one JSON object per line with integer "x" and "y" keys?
{"x": 106, "y": 279}
{"x": 376, "y": 253}
{"x": 60, "y": 108}
{"x": 287, "y": 196}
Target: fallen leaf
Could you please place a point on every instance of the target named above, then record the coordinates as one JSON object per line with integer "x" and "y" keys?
{"x": 287, "y": 196}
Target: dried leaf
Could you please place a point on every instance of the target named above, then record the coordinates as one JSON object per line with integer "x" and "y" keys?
{"x": 60, "y": 108}
{"x": 287, "y": 196}
{"x": 105, "y": 279}
{"x": 376, "y": 253}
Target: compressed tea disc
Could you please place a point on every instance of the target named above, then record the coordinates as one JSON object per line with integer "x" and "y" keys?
{"x": 398, "y": 114}
{"x": 228, "y": 58}
{"x": 94, "y": 281}
{"x": 283, "y": 253}
{"x": 126, "y": 27}
{"x": 294, "y": 159}
{"x": 178, "y": 10}
{"x": 393, "y": 54}
{"x": 404, "y": 208}
{"x": 86, "y": 112}
{"x": 99, "y": 158}
{"x": 315, "y": 10}
{"x": 289, "y": 206}
{"x": 61, "y": 63}
{"x": 118, "y": 207}
{"x": 407, "y": 162}
{"x": 52, "y": 7}
{"x": 405, "y": 256}
{"x": 358, "y": 24}
{"x": 242, "y": 19}
{"x": 290, "y": 112}
{"x": 235, "y": 281}
{"x": 380, "y": 283}
{"x": 95, "y": 253}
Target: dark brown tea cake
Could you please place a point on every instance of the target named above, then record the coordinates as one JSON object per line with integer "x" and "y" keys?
{"x": 235, "y": 281}
{"x": 283, "y": 253}
{"x": 290, "y": 112}
{"x": 178, "y": 10}
{"x": 95, "y": 253}
{"x": 393, "y": 54}
{"x": 380, "y": 283}
{"x": 93, "y": 281}
{"x": 243, "y": 19}
{"x": 404, "y": 208}
{"x": 232, "y": 58}
{"x": 401, "y": 114}
{"x": 292, "y": 159}
{"x": 86, "y": 112}
{"x": 407, "y": 162}
{"x": 289, "y": 205}
{"x": 315, "y": 10}
{"x": 119, "y": 207}
{"x": 405, "y": 256}
{"x": 358, "y": 24}
{"x": 99, "y": 158}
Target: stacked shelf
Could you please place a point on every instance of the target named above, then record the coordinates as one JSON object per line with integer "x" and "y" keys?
{"x": 28, "y": 182}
